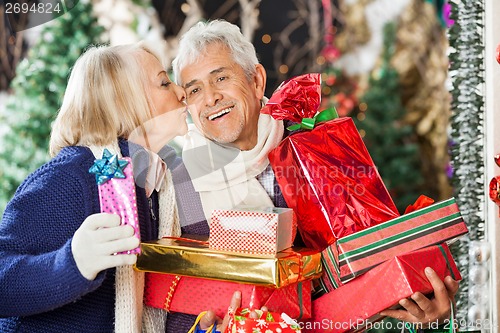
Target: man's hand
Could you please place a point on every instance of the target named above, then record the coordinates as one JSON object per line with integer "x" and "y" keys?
{"x": 420, "y": 309}
{"x": 210, "y": 318}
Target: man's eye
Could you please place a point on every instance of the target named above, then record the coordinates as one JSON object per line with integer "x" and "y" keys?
{"x": 222, "y": 78}
{"x": 193, "y": 91}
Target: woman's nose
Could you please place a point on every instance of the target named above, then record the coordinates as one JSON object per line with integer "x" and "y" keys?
{"x": 181, "y": 94}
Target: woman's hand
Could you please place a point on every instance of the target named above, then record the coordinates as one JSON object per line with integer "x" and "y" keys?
{"x": 97, "y": 240}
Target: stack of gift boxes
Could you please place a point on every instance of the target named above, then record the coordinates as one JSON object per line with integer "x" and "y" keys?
{"x": 365, "y": 255}
{"x": 249, "y": 250}
{"x": 372, "y": 257}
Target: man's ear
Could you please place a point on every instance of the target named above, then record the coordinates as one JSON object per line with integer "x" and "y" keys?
{"x": 260, "y": 81}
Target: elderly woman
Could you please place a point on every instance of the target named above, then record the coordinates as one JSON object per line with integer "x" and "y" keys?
{"x": 59, "y": 267}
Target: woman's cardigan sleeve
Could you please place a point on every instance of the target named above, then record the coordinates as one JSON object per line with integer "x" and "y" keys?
{"x": 37, "y": 270}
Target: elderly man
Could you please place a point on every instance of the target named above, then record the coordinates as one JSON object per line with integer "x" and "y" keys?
{"x": 226, "y": 151}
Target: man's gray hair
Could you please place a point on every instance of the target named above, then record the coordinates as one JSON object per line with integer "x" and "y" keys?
{"x": 203, "y": 34}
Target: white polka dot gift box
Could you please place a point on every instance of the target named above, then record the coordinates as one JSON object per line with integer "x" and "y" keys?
{"x": 266, "y": 230}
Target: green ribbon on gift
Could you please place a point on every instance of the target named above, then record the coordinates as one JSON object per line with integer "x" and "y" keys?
{"x": 310, "y": 123}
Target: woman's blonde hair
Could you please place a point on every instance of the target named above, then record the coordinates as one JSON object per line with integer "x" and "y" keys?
{"x": 106, "y": 97}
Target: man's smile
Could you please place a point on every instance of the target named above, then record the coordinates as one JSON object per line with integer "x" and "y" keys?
{"x": 220, "y": 114}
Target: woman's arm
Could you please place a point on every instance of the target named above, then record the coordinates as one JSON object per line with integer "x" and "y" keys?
{"x": 37, "y": 270}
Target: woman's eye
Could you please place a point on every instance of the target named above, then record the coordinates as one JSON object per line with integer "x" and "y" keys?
{"x": 165, "y": 83}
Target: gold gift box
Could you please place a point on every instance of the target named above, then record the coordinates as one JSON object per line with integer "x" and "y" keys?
{"x": 190, "y": 257}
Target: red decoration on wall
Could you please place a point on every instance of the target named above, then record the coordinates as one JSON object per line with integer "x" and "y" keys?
{"x": 495, "y": 182}
{"x": 494, "y": 189}
{"x": 497, "y": 53}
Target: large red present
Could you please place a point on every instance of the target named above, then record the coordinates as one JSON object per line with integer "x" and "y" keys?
{"x": 325, "y": 172}
{"x": 262, "y": 230}
{"x": 357, "y": 303}
{"x": 193, "y": 295}
{"x": 359, "y": 252}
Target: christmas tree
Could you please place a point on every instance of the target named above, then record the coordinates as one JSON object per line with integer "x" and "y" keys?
{"x": 389, "y": 140}
{"x": 37, "y": 93}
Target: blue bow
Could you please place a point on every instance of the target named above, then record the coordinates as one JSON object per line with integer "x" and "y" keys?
{"x": 109, "y": 166}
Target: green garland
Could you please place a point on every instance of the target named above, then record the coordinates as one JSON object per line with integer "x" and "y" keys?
{"x": 467, "y": 138}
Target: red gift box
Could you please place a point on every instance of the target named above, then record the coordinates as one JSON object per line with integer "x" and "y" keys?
{"x": 264, "y": 230}
{"x": 326, "y": 174}
{"x": 329, "y": 260}
{"x": 359, "y": 252}
{"x": 193, "y": 295}
{"x": 268, "y": 322}
{"x": 357, "y": 303}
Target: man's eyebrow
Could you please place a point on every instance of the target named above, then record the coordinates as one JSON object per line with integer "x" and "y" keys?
{"x": 215, "y": 71}
{"x": 190, "y": 83}
{"x": 218, "y": 70}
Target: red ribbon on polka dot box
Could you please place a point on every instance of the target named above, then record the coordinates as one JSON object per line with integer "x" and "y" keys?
{"x": 118, "y": 196}
{"x": 265, "y": 230}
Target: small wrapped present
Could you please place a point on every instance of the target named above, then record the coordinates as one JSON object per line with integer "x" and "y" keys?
{"x": 355, "y": 254}
{"x": 116, "y": 185}
{"x": 268, "y": 322}
{"x": 357, "y": 303}
{"x": 189, "y": 257}
{"x": 265, "y": 230}
{"x": 193, "y": 295}
{"x": 324, "y": 171}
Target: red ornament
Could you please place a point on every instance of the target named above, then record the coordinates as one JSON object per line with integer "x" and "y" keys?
{"x": 330, "y": 53}
{"x": 495, "y": 189}
{"x": 330, "y": 80}
{"x": 495, "y": 182}
{"x": 497, "y": 159}
{"x": 498, "y": 53}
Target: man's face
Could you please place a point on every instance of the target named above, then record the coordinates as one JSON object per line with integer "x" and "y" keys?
{"x": 224, "y": 103}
